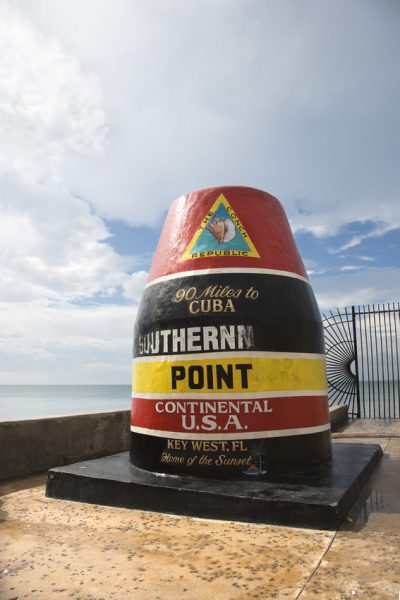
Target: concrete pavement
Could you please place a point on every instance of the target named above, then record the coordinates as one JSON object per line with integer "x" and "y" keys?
{"x": 71, "y": 550}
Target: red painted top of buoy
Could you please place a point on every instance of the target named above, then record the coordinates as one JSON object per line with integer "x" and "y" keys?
{"x": 200, "y": 224}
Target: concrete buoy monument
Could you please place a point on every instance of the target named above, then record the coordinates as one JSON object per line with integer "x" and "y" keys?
{"x": 229, "y": 369}
{"x": 230, "y": 415}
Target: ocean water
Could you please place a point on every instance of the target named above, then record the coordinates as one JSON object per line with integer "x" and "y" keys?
{"x": 27, "y": 401}
{"x": 378, "y": 399}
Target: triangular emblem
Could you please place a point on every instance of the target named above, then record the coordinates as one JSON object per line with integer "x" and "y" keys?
{"x": 220, "y": 233}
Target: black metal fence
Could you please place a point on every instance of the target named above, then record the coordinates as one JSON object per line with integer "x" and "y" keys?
{"x": 362, "y": 346}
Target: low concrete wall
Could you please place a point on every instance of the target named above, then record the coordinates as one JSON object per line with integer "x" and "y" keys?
{"x": 35, "y": 445}
{"x": 338, "y": 415}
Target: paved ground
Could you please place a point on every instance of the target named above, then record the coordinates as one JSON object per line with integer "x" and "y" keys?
{"x": 52, "y": 548}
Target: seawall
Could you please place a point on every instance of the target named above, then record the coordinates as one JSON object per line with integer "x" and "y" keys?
{"x": 29, "y": 446}
{"x": 34, "y": 445}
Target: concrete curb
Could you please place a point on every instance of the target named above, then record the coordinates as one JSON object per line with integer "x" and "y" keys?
{"x": 338, "y": 415}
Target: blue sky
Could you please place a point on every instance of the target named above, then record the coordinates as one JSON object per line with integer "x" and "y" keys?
{"x": 109, "y": 111}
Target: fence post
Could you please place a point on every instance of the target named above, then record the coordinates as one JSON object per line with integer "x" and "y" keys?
{"x": 353, "y": 317}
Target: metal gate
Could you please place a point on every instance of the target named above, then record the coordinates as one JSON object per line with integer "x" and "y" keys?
{"x": 362, "y": 358}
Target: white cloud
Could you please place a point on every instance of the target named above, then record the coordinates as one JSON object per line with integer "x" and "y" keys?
{"x": 221, "y": 94}
{"x": 48, "y": 105}
{"x": 52, "y": 257}
{"x": 351, "y": 267}
{"x": 54, "y": 249}
{"x": 134, "y": 285}
{"x": 360, "y": 287}
{"x": 310, "y": 263}
{"x": 317, "y": 271}
{"x": 367, "y": 258}
{"x": 313, "y": 267}
{"x": 378, "y": 231}
{"x": 65, "y": 343}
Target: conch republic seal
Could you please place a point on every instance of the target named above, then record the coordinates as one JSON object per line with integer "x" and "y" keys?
{"x": 229, "y": 369}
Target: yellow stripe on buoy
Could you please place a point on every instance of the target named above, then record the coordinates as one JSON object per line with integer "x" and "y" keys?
{"x": 244, "y": 373}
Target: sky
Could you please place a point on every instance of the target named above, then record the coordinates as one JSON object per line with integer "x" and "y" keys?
{"x": 109, "y": 110}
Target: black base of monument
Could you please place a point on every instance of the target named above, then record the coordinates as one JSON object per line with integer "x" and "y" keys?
{"x": 320, "y": 497}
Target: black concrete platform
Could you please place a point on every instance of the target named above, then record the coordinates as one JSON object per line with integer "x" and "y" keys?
{"x": 319, "y": 498}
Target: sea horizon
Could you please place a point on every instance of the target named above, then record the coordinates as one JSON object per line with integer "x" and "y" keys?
{"x": 26, "y": 401}
{"x": 30, "y": 401}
